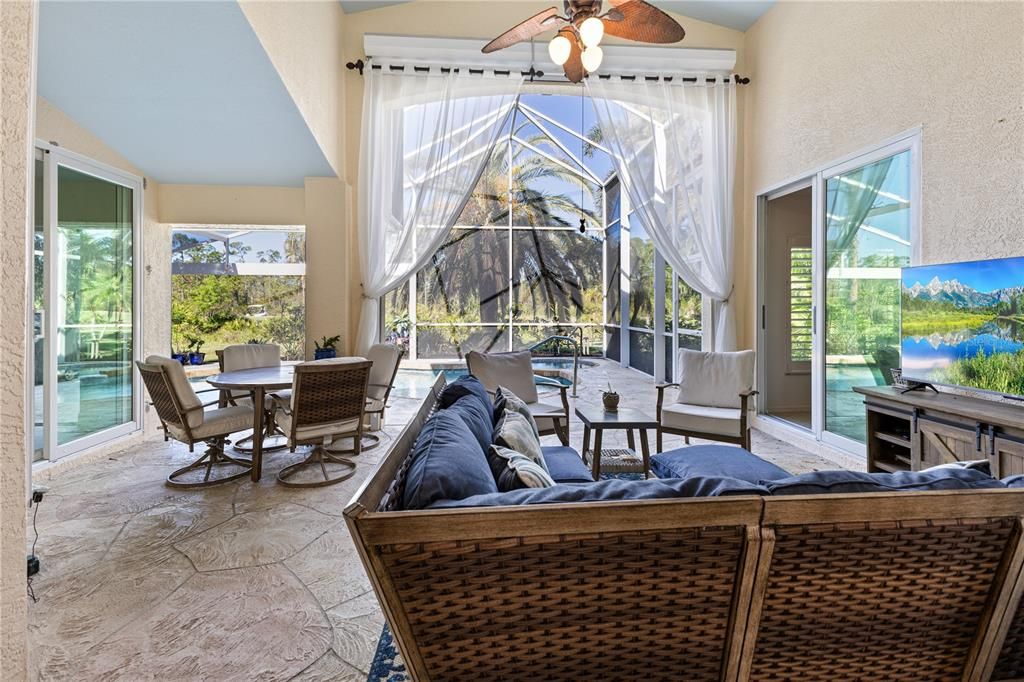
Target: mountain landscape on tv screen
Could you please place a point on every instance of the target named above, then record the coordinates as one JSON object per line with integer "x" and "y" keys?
{"x": 954, "y": 333}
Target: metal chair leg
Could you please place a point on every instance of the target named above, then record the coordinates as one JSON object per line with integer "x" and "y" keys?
{"x": 213, "y": 457}
{"x": 369, "y": 442}
{"x": 319, "y": 456}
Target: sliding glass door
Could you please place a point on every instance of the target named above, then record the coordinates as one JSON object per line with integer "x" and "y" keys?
{"x": 868, "y": 234}
{"x": 85, "y": 312}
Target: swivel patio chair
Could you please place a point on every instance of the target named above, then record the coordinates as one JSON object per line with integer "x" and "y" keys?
{"x": 514, "y": 371}
{"x": 327, "y": 402}
{"x": 714, "y": 389}
{"x": 184, "y": 418}
{"x": 242, "y": 356}
{"x": 385, "y": 358}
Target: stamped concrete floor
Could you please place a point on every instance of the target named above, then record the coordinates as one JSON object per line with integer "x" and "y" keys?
{"x": 241, "y": 581}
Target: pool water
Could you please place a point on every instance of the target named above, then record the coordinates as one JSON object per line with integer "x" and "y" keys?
{"x": 416, "y": 383}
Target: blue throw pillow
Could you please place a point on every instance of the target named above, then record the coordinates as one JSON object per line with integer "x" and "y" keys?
{"x": 461, "y": 387}
{"x": 611, "y": 489}
{"x": 447, "y": 464}
{"x": 565, "y": 465}
{"x": 1014, "y": 481}
{"x": 825, "y": 482}
{"x": 477, "y": 418}
{"x": 715, "y": 460}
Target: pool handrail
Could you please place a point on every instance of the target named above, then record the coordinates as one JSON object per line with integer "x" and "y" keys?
{"x": 575, "y": 352}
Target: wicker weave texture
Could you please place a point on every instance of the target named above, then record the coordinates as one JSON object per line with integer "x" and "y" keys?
{"x": 332, "y": 395}
{"x": 1010, "y": 665}
{"x": 160, "y": 394}
{"x": 881, "y": 601}
{"x": 629, "y": 606}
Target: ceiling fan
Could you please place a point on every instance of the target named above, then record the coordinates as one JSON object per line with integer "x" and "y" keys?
{"x": 576, "y": 48}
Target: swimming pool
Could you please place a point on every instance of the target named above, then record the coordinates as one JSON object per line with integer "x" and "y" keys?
{"x": 415, "y": 383}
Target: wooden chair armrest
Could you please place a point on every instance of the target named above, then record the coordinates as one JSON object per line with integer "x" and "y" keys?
{"x": 661, "y": 398}
{"x": 662, "y": 387}
{"x": 747, "y": 394}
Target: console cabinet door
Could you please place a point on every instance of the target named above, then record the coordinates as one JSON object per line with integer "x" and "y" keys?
{"x": 1007, "y": 457}
{"x": 942, "y": 444}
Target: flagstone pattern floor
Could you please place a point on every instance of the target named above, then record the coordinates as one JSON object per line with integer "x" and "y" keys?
{"x": 240, "y": 581}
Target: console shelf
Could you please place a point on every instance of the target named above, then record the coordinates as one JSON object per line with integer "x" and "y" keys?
{"x": 913, "y": 431}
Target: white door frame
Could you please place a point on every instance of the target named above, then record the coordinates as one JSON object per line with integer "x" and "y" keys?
{"x": 908, "y": 140}
{"x": 53, "y": 157}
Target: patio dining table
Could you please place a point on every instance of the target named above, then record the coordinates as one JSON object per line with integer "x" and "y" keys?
{"x": 258, "y": 381}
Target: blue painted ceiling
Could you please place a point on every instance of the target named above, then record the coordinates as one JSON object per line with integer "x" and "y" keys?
{"x": 736, "y": 14}
{"x": 183, "y": 90}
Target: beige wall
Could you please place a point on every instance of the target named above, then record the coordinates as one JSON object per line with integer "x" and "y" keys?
{"x": 485, "y": 20}
{"x": 53, "y": 125}
{"x": 17, "y": 38}
{"x": 328, "y": 279}
{"x": 831, "y": 78}
{"x": 231, "y": 205}
{"x": 303, "y": 41}
{"x": 788, "y": 224}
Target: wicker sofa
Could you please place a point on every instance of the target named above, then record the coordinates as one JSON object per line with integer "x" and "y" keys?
{"x": 892, "y": 586}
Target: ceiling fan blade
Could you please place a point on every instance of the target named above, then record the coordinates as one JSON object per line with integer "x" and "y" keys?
{"x": 537, "y": 24}
{"x": 573, "y": 66}
{"x": 643, "y": 23}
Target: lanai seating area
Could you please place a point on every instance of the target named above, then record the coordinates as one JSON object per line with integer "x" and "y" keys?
{"x": 429, "y": 340}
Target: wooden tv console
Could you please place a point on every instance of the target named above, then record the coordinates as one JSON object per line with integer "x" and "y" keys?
{"x": 917, "y": 430}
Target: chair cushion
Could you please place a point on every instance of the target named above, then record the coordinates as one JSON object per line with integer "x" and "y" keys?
{"x": 565, "y": 465}
{"x": 446, "y": 464}
{"x": 514, "y": 370}
{"x": 825, "y": 482}
{"x": 187, "y": 397}
{"x": 461, "y": 387}
{"x": 514, "y": 431}
{"x": 612, "y": 489}
{"x": 477, "y": 418}
{"x": 723, "y": 421}
{"x": 326, "y": 432}
{"x": 385, "y": 358}
{"x": 248, "y": 355}
{"x": 715, "y": 460}
{"x": 714, "y": 379}
{"x": 219, "y": 422}
{"x": 519, "y": 471}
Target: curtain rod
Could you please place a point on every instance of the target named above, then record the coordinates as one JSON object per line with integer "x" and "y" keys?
{"x": 359, "y": 65}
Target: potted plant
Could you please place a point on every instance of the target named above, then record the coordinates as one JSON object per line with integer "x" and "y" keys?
{"x": 610, "y": 399}
{"x": 326, "y": 347}
{"x": 195, "y": 357}
{"x": 257, "y": 341}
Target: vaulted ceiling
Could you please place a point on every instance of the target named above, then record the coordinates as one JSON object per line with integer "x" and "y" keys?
{"x": 736, "y": 14}
{"x": 183, "y": 90}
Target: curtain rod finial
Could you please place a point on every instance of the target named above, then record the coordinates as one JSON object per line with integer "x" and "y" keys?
{"x": 357, "y": 65}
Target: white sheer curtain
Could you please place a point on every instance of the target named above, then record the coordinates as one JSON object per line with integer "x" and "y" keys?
{"x": 674, "y": 148}
{"x": 426, "y": 138}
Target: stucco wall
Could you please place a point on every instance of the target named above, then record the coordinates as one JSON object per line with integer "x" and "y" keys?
{"x": 303, "y": 41}
{"x": 231, "y": 205}
{"x": 53, "y": 125}
{"x": 17, "y": 38}
{"x": 831, "y": 78}
{"x": 485, "y": 20}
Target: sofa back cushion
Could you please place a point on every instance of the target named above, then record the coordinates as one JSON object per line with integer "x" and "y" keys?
{"x": 825, "y": 482}
{"x": 514, "y": 370}
{"x": 477, "y": 417}
{"x": 460, "y": 388}
{"x": 714, "y": 379}
{"x": 612, "y": 489}
{"x": 447, "y": 464}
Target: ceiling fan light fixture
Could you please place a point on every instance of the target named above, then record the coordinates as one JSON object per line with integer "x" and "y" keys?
{"x": 592, "y": 57}
{"x": 591, "y": 31}
{"x": 559, "y": 49}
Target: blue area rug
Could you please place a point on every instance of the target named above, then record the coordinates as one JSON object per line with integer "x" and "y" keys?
{"x": 387, "y": 665}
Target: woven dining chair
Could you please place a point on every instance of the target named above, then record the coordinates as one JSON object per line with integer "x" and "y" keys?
{"x": 183, "y": 417}
{"x": 385, "y": 358}
{"x": 242, "y": 356}
{"x": 327, "y": 402}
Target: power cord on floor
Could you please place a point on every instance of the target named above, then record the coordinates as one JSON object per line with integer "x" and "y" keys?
{"x": 33, "y": 561}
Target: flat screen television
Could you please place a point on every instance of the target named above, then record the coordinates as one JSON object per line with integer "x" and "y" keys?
{"x": 962, "y": 324}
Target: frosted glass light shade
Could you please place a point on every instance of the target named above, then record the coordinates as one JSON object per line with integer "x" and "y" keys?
{"x": 591, "y": 31}
{"x": 559, "y": 49}
{"x": 591, "y": 58}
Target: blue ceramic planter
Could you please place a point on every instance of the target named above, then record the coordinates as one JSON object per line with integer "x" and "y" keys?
{"x": 324, "y": 353}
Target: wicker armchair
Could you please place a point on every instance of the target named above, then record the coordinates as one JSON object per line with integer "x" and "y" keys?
{"x": 327, "y": 401}
{"x": 241, "y": 356}
{"x": 712, "y": 403}
{"x": 385, "y": 358}
{"x": 515, "y": 372}
{"x": 184, "y": 418}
